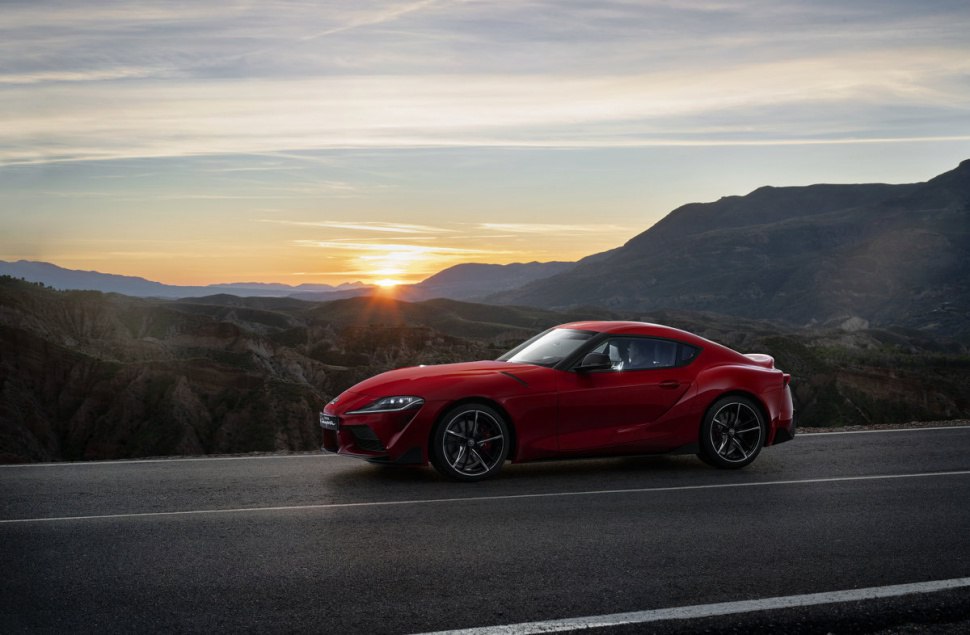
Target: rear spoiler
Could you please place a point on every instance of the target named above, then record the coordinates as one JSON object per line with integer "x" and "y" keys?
{"x": 767, "y": 361}
{"x": 761, "y": 360}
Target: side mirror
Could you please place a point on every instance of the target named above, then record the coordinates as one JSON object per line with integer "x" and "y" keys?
{"x": 595, "y": 361}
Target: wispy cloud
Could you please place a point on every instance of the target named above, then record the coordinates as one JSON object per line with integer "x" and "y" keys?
{"x": 393, "y": 228}
{"x": 97, "y": 75}
{"x": 374, "y": 17}
{"x": 395, "y": 248}
{"x": 823, "y": 100}
{"x": 558, "y": 229}
{"x": 258, "y": 168}
{"x": 291, "y": 76}
{"x": 380, "y": 260}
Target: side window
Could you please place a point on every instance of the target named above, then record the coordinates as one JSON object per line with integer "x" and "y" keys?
{"x": 645, "y": 353}
{"x": 642, "y": 353}
{"x": 687, "y": 354}
{"x": 611, "y": 348}
{"x": 618, "y": 349}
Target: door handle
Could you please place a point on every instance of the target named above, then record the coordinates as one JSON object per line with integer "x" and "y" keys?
{"x": 670, "y": 383}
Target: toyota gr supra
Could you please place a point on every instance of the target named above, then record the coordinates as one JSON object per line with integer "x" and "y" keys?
{"x": 583, "y": 389}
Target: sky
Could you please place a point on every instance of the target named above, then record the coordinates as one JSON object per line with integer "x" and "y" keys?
{"x": 325, "y": 142}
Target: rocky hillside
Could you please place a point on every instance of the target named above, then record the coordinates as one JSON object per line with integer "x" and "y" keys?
{"x": 884, "y": 255}
{"x": 86, "y": 375}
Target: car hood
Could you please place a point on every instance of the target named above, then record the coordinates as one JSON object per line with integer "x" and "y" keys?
{"x": 425, "y": 381}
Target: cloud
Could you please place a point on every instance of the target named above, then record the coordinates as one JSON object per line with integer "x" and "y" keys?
{"x": 400, "y": 248}
{"x": 98, "y": 75}
{"x": 831, "y": 100}
{"x": 552, "y": 228}
{"x": 378, "y": 260}
{"x": 101, "y": 81}
{"x": 394, "y": 228}
{"x": 371, "y": 18}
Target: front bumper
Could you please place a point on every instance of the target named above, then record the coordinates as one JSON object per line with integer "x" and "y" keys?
{"x": 399, "y": 437}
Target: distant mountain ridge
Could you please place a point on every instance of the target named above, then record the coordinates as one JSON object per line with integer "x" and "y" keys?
{"x": 473, "y": 281}
{"x": 460, "y": 282}
{"x": 77, "y": 280}
{"x": 889, "y": 255}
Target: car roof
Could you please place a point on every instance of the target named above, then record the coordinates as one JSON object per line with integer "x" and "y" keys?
{"x": 637, "y": 328}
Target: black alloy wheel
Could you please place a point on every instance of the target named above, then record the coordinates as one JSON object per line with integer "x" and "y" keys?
{"x": 733, "y": 433}
{"x": 470, "y": 443}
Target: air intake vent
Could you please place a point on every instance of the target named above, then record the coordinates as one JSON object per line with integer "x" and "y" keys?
{"x": 365, "y": 439}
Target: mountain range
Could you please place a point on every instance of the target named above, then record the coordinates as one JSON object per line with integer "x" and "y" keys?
{"x": 460, "y": 282}
{"x": 869, "y": 254}
{"x": 73, "y": 279}
{"x": 885, "y": 255}
{"x": 474, "y": 281}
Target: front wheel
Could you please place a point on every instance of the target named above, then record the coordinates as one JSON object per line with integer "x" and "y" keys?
{"x": 732, "y": 434}
{"x": 471, "y": 443}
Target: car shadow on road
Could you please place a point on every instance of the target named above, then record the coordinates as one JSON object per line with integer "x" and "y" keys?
{"x": 618, "y": 466}
{"x": 587, "y": 472}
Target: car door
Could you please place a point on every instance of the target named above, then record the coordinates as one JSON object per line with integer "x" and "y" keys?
{"x": 605, "y": 408}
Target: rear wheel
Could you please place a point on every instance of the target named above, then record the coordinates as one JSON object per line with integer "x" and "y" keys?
{"x": 733, "y": 433}
{"x": 471, "y": 443}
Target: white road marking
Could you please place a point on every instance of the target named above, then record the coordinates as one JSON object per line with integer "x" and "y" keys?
{"x": 807, "y": 435}
{"x": 181, "y": 459}
{"x": 465, "y": 499}
{"x": 713, "y": 610}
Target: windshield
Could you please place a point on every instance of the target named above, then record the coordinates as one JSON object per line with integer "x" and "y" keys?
{"x": 549, "y": 348}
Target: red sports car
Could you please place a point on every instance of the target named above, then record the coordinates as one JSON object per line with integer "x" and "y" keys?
{"x": 577, "y": 390}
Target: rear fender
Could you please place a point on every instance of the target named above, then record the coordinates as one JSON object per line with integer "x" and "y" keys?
{"x": 757, "y": 383}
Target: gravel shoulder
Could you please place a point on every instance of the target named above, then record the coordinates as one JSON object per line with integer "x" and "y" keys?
{"x": 912, "y": 425}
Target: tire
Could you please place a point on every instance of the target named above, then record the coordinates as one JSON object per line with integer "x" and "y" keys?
{"x": 470, "y": 443}
{"x": 732, "y": 433}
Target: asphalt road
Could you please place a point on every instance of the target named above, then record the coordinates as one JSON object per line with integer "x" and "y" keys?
{"x": 322, "y": 543}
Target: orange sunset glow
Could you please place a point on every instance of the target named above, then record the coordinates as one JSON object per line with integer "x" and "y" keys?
{"x": 305, "y": 143}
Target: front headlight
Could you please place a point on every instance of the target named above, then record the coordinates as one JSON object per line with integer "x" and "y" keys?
{"x": 389, "y": 404}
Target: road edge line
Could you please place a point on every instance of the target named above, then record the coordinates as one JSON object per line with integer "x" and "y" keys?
{"x": 698, "y": 611}
{"x": 469, "y": 499}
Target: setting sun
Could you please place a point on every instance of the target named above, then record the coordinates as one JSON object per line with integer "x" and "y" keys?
{"x": 387, "y": 283}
